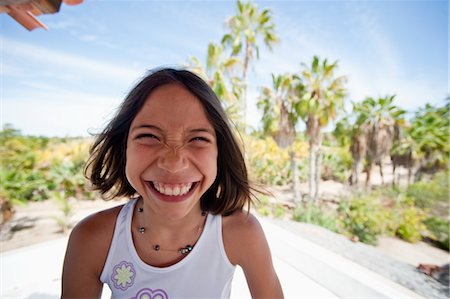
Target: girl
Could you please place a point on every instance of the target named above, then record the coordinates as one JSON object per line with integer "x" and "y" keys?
{"x": 170, "y": 147}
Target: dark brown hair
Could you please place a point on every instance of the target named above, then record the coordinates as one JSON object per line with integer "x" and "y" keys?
{"x": 105, "y": 168}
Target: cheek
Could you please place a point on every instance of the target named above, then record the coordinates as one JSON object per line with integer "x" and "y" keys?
{"x": 130, "y": 169}
{"x": 128, "y": 172}
{"x": 214, "y": 163}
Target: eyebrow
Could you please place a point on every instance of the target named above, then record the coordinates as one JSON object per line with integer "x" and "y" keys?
{"x": 198, "y": 130}
{"x": 148, "y": 127}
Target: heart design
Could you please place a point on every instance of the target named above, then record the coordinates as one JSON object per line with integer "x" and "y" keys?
{"x": 151, "y": 294}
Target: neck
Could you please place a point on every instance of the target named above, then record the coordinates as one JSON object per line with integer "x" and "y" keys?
{"x": 163, "y": 223}
{"x": 162, "y": 233}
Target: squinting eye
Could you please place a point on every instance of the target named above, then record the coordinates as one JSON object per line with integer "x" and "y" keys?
{"x": 200, "y": 139}
{"x": 150, "y": 136}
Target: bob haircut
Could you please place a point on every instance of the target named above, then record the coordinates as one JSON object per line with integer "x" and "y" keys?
{"x": 105, "y": 167}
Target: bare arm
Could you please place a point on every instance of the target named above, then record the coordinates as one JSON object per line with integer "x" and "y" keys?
{"x": 246, "y": 246}
{"x": 86, "y": 254}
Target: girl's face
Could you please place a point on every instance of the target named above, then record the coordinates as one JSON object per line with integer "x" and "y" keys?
{"x": 171, "y": 152}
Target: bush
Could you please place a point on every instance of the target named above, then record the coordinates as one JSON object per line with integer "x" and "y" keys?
{"x": 411, "y": 226}
{"x": 310, "y": 213}
{"x": 336, "y": 164}
{"x": 270, "y": 164}
{"x": 265, "y": 208}
{"x": 34, "y": 168}
{"x": 427, "y": 193}
{"x": 364, "y": 218}
{"x": 439, "y": 229}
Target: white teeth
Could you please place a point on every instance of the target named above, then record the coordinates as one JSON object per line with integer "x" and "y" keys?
{"x": 179, "y": 189}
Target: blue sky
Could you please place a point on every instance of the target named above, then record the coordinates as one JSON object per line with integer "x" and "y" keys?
{"x": 68, "y": 81}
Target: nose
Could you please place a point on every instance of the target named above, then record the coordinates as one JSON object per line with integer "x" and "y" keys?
{"x": 173, "y": 160}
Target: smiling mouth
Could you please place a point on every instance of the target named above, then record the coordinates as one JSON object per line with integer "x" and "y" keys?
{"x": 173, "y": 189}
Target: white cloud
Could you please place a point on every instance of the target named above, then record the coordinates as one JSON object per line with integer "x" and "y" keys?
{"x": 373, "y": 70}
{"x": 62, "y": 60}
{"x": 58, "y": 113}
{"x": 88, "y": 38}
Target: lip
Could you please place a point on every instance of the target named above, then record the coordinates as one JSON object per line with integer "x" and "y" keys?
{"x": 171, "y": 198}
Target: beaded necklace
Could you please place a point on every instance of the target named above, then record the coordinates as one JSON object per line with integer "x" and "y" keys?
{"x": 183, "y": 250}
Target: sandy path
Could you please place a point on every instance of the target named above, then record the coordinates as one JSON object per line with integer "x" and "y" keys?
{"x": 35, "y": 222}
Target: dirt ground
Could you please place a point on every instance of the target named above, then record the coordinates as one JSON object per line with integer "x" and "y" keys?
{"x": 37, "y": 222}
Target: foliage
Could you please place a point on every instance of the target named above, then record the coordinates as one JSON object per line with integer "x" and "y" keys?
{"x": 36, "y": 168}
{"x": 342, "y": 132}
{"x": 278, "y": 106}
{"x": 280, "y": 118}
{"x": 311, "y": 213}
{"x": 337, "y": 162}
{"x": 388, "y": 211}
{"x": 323, "y": 94}
{"x": 363, "y": 217}
{"x": 220, "y": 73}
{"x": 269, "y": 164}
{"x": 439, "y": 229}
{"x": 66, "y": 208}
{"x": 377, "y": 112}
{"x": 322, "y": 97}
{"x": 266, "y": 208}
{"x": 427, "y": 193}
{"x": 19, "y": 172}
{"x": 245, "y": 30}
{"x": 411, "y": 225}
{"x": 430, "y": 132}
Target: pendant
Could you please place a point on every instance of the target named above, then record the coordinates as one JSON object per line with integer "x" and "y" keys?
{"x": 186, "y": 249}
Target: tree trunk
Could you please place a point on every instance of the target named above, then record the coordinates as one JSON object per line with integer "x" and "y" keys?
{"x": 312, "y": 158}
{"x": 295, "y": 180}
{"x": 318, "y": 166}
{"x": 244, "y": 81}
{"x": 381, "y": 172}
{"x": 369, "y": 174}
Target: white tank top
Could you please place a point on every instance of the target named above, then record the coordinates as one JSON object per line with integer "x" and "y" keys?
{"x": 205, "y": 272}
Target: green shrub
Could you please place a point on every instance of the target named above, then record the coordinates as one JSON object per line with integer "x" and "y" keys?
{"x": 364, "y": 218}
{"x": 263, "y": 211}
{"x": 310, "y": 213}
{"x": 427, "y": 193}
{"x": 279, "y": 211}
{"x": 270, "y": 164}
{"x": 411, "y": 226}
{"x": 439, "y": 229}
{"x": 336, "y": 164}
{"x": 34, "y": 168}
{"x": 266, "y": 208}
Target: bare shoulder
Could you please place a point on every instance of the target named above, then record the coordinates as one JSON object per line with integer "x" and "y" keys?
{"x": 240, "y": 222}
{"x": 241, "y": 231}
{"x": 97, "y": 224}
{"x": 90, "y": 239}
{"x": 86, "y": 254}
{"x": 246, "y": 246}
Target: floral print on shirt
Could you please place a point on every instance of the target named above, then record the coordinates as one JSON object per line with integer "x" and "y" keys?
{"x": 151, "y": 294}
{"x": 123, "y": 275}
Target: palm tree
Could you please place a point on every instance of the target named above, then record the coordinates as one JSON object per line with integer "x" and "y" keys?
{"x": 280, "y": 118}
{"x": 220, "y": 73}
{"x": 430, "y": 131}
{"x": 342, "y": 131}
{"x": 245, "y": 29}
{"x": 322, "y": 98}
{"x": 374, "y": 130}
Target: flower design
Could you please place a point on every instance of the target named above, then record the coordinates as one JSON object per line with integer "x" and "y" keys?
{"x": 123, "y": 275}
{"x": 150, "y": 294}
